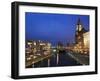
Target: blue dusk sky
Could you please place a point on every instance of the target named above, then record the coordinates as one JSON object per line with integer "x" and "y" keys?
{"x": 53, "y": 27}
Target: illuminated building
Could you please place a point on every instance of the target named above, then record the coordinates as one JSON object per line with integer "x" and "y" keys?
{"x": 37, "y": 47}
{"x": 36, "y": 50}
{"x": 86, "y": 41}
{"x": 81, "y": 39}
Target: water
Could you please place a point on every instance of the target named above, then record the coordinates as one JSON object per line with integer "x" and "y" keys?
{"x": 56, "y": 60}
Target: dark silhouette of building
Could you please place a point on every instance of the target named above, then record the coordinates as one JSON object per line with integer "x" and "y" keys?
{"x": 79, "y": 39}
{"x": 81, "y": 35}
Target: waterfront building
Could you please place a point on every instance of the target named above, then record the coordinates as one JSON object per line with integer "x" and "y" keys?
{"x": 37, "y": 48}
{"x": 86, "y": 41}
{"x": 81, "y": 39}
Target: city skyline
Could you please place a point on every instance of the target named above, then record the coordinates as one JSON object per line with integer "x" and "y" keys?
{"x": 53, "y": 27}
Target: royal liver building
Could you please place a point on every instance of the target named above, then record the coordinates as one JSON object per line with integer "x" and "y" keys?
{"x": 81, "y": 39}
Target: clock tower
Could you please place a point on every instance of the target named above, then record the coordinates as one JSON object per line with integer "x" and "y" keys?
{"x": 79, "y": 33}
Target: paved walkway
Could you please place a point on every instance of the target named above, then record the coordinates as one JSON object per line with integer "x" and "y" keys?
{"x": 81, "y": 58}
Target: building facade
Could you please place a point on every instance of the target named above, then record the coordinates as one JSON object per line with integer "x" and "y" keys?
{"x": 81, "y": 38}
{"x": 36, "y": 50}
{"x": 86, "y": 41}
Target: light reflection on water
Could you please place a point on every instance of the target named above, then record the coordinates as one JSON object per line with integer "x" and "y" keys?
{"x": 61, "y": 59}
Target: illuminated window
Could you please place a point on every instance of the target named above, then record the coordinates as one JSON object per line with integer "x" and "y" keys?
{"x": 34, "y": 43}
{"x": 79, "y": 37}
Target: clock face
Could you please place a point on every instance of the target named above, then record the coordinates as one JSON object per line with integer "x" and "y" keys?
{"x": 80, "y": 27}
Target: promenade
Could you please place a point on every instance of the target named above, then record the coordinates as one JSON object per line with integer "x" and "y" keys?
{"x": 81, "y": 58}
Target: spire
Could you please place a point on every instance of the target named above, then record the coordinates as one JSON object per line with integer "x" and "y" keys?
{"x": 79, "y": 22}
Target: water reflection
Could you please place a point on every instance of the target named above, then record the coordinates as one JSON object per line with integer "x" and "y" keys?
{"x": 57, "y": 59}
{"x": 48, "y": 62}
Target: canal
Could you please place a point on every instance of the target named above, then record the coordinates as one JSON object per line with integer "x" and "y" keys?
{"x": 56, "y": 60}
